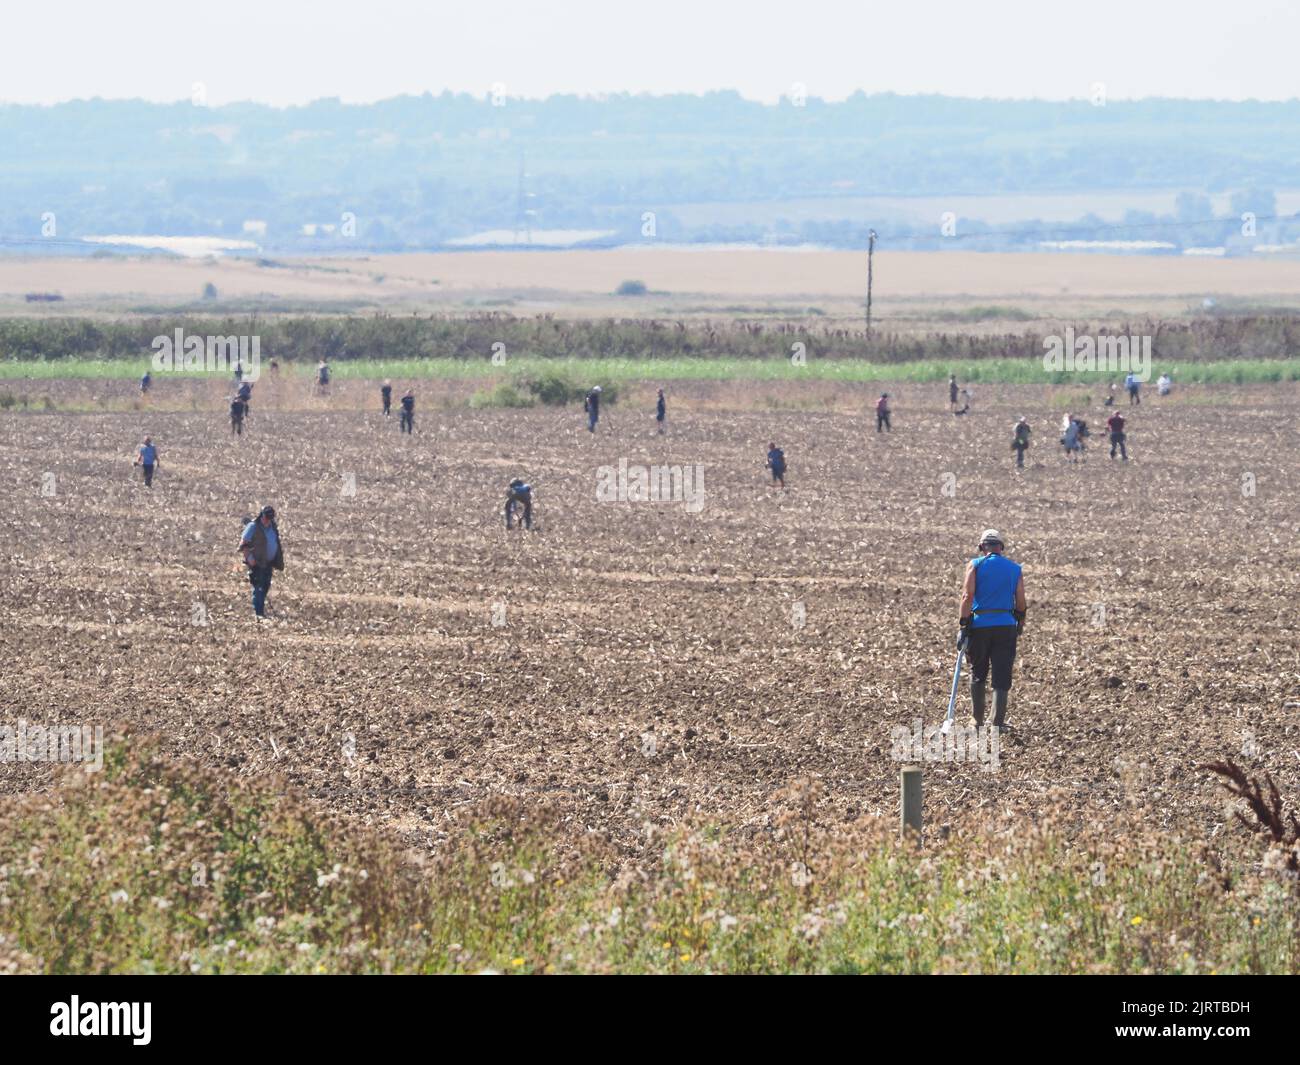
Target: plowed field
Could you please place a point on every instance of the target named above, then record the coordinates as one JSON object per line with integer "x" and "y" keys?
{"x": 635, "y": 661}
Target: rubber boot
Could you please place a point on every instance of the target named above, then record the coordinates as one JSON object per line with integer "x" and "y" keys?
{"x": 977, "y": 692}
{"x": 1000, "y": 707}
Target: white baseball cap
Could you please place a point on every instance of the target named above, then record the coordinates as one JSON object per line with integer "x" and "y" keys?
{"x": 990, "y": 536}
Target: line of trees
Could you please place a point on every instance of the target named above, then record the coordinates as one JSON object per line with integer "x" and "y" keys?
{"x": 415, "y": 172}
{"x": 391, "y": 337}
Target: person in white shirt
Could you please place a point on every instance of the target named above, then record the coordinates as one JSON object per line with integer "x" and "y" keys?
{"x": 1070, "y": 438}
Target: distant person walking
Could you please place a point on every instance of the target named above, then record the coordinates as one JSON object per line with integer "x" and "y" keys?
{"x": 246, "y": 394}
{"x": 262, "y": 550}
{"x": 992, "y": 616}
{"x": 146, "y": 383}
{"x": 776, "y": 463}
{"x": 592, "y": 406}
{"x": 407, "y": 419}
{"x": 882, "y": 413}
{"x": 1020, "y": 441}
{"x": 1070, "y": 440}
{"x": 238, "y": 408}
{"x": 1134, "y": 387}
{"x": 952, "y": 391}
{"x": 323, "y": 378}
{"x": 1115, "y": 423}
{"x": 519, "y": 496}
{"x": 146, "y": 457}
{"x": 386, "y": 394}
{"x": 661, "y": 409}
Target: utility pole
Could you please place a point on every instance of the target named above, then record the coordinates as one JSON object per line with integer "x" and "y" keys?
{"x": 523, "y": 216}
{"x": 871, "y": 248}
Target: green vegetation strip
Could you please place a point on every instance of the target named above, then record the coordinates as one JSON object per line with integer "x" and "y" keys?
{"x": 602, "y": 370}
{"x": 153, "y": 865}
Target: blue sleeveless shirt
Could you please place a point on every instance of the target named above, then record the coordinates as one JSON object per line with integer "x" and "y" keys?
{"x": 996, "y": 579}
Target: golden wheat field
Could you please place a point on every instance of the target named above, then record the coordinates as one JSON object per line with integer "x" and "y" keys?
{"x": 907, "y": 285}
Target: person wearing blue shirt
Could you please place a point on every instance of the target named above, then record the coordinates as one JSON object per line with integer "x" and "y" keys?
{"x": 992, "y": 616}
{"x": 776, "y": 463}
{"x": 519, "y": 495}
{"x": 146, "y": 457}
{"x": 146, "y": 382}
{"x": 1134, "y": 387}
{"x": 263, "y": 552}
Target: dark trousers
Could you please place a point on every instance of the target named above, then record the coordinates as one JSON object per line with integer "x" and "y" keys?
{"x": 260, "y": 578}
{"x": 237, "y": 426}
{"x": 408, "y": 421}
{"x": 148, "y": 474}
{"x": 1133, "y": 397}
{"x": 526, "y": 504}
{"x": 388, "y": 405}
{"x": 1117, "y": 441}
{"x": 593, "y": 416}
{"x": 992, "y": 647}
{"x": 882, "y": 418}
{"x": 1020, "y": 453}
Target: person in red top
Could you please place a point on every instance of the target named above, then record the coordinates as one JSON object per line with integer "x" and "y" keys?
{"x": 1115, "y": 423}
{"x": 882, "y": 413}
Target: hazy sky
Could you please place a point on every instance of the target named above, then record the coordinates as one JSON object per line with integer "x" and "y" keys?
{"x": 292, "y": 51}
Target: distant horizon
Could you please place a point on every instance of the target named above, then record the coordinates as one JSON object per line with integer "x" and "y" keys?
{"x": 601, "y": 96}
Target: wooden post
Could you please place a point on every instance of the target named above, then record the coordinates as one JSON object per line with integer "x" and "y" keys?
{"x": 910, "y": 802}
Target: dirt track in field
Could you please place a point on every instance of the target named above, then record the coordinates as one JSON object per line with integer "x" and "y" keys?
{"x": 1161, "y": 634}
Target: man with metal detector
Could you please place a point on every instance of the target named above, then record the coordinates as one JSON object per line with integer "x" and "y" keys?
{"x": 407, "y": 417}
{"x": 262, "y": 551}
{"x": 992, "y": 616}
{"x": 146, "y": 457}
{"x": 519, "y": 495}
{"x": 238, "y": 408}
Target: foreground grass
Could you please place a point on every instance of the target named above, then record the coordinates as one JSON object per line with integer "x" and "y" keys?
{"x": 988, "y": 370}
{"x": 151, "y": 866}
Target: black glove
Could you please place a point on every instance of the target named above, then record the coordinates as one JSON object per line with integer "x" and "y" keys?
{"x": 1019, "y": 615}
{"x": 963, "y": 634}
